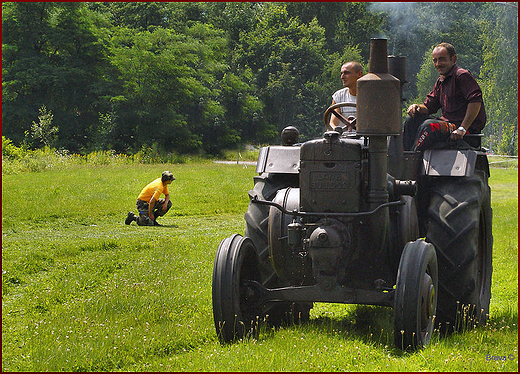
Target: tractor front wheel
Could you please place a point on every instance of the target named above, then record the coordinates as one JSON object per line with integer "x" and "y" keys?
{"x": 415, "y": 296}
{"x": 235, "y": 312}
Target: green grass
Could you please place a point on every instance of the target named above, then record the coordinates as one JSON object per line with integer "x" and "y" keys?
{"x": 504, "y": 162}
{"x": 81, "y": 291}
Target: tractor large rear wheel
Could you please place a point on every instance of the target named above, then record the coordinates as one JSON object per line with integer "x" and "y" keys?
{"x": 459, "y": 226}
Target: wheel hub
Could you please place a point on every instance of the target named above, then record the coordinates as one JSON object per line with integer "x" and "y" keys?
{"x": 427, "y": 301}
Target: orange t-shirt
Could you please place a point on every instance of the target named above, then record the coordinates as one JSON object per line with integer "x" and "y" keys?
{"x": 153, "y": 189}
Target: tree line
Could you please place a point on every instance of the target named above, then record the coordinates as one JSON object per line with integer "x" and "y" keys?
{"x": 200, "y": 77}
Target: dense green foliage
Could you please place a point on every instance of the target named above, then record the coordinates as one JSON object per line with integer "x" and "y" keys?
{"x": 200, "y": 77}
{"x": 81, "y": 291}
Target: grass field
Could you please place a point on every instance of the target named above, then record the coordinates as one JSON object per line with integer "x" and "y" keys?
{"x": 81, "y": 291}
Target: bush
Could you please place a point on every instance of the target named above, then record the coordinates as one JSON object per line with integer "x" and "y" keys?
{"x": 46, "y": 158}
{"x": 153, "y": 155}
{"x": 21, "y": 159}
{"x": 107, "y": 158}
{"x": 9, "y": 150}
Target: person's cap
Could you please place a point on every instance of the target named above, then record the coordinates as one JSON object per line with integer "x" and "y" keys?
{"x": 167, "y": 176}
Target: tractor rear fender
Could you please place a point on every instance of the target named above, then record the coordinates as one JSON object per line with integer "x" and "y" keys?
{"x": 449, "y": 162}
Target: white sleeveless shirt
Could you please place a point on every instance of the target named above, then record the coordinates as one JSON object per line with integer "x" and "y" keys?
{"x": 344, "y": 96}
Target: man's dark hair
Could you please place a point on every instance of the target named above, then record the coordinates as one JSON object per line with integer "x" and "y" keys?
{"x": 449, "y": 48}
{"x": 167, "y": 176}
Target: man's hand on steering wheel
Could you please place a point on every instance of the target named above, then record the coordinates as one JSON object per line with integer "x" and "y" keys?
{"x": 349, "y": 124}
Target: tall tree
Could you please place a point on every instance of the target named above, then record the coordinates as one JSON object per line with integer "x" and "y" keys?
{"x": 134, "y": 15}
{"x": 499, "y": 75}
{"x": 233, "y": 18}
{"x": 179, "y": 92}
{"x": 287, "y": 57}
{"x": 51, "y": 56}
{"x": 346, "y": 24}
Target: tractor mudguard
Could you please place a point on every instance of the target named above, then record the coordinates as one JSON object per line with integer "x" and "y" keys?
{"x": 449, "y": 162}
{"x": 279, "y": 160}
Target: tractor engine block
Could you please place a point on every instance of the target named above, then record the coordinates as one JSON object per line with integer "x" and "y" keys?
{"x": 331, "y": 175}
{"x": 333, "y": 179}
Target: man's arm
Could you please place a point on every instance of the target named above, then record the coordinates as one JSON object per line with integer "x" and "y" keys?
{"x": 334, "y": 120}
{"x": 471, "y": 114}
{"x": 151, "y": 204}
{"x": 166, "y": 200}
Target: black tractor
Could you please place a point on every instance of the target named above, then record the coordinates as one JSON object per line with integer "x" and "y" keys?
{"x": 352, "y": 218}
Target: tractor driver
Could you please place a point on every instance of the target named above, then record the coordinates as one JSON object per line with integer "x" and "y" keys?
{"x": 459, "y": 97}
{"x": 149, "y": 204}
{"x": 350, "y": 72}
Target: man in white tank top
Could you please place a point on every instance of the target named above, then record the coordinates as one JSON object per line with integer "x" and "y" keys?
{"x": 350, "y": 72}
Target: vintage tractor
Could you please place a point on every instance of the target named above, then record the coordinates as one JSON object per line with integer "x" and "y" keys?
{"x": 352, "y": 218}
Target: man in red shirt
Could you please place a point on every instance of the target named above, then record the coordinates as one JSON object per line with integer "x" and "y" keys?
{"x": 149, "y": 204}
{"x": 459, "y": 97}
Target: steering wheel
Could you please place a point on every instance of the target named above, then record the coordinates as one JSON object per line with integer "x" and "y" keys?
{"x": 331, "y": 110}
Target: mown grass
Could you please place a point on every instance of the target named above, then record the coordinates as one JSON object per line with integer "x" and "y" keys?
{"x": 81, "y": 291}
